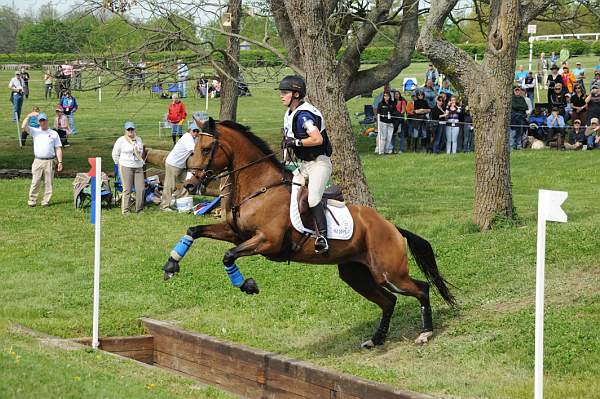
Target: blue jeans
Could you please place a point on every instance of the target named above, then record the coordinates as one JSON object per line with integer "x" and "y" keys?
{"x": 182, "y": 86}
{"x": 439, "y": 134}
{"x": 17, "y": 102}
{"x": 467, "y": 137}
{"x": 515, "y": 139}
{"x": 177, "y": 130}
{"x": 71, "y": 118}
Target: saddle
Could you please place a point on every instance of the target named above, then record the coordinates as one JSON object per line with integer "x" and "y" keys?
{"x": 331, "y": 193}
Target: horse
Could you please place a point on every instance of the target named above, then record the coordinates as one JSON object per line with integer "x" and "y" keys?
{"x": 374, "y": 261}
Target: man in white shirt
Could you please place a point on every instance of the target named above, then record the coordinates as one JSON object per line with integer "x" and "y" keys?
{"x": 17, "y": 93}
{"x": 175, "y": 166}
{"x": 47, "y": 150}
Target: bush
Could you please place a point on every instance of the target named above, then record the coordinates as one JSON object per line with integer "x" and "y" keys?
{"x": 595, "y": 47}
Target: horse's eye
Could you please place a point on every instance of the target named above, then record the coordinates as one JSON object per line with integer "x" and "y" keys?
{"x": 205, "y": 151}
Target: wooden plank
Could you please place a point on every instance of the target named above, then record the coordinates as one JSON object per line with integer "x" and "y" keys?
{"x": 271, "y": 372}
{"x": 145, "y": 356}
{"x": 112, "y": 344}
{"x": 207, "y": 357}
{"x": 212, "y": 376}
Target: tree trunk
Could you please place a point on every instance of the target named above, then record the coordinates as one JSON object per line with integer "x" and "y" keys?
{"x": 308, "y": 17}
{"x": 229, "y": 86}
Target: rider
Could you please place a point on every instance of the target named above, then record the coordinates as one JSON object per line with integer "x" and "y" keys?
{"x": 305, "y": 134}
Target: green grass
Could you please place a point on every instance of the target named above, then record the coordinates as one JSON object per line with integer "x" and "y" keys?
{"x": 483, "y": 349}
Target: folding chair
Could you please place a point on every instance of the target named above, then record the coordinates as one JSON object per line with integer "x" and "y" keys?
{"x": 156, "y": 89}
{"x": 164, "y": 124}
{"x": 409, "y": 84}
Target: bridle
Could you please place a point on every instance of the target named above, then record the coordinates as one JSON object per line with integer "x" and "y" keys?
{"x": 208, "y": 174}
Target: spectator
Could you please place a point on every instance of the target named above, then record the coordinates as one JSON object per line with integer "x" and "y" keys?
{"x": 596, "y": 80}
{"x": 77, "y": 76}
{"x": 47, "y": 149}
{"x": 577, "y": 138}
{"x": 25, "y": 78}
{"x": 431, "y": 74}
{"x": 16, "y": 98}
{"x": 518, "y": 119}
{"x": 419, "y": 133}
{"x": 67, "y": 72}
{"x": 446, "y": 89}
{"x": 60, "y": 79}
{"x": 558, "y": 99}
{"x": 543, "y": 67}
{"x": 468, "y": 132}
{"x": 578, "y": 104}
{"x": 553, "y": 79}
{"x": 69, "y": 106}
{"x": 528, "y": 86}
{"x": 568, "y": 79}
{"x": 593, "y": 102}
{"x": 48, "y": 79}
{"x": 430, "y": 93}
{"x": 556, "y": 125}
{"x": 61, "y": 125}
{"x": 453, "y": 112}
{"x": 579, "y": 73}
{"x": 32, "y": 122}
{"x": 176, "y": 116}
{"x": 182, "y": 75}
{"x": 593, "y": 134}
{"x": 385, "y": 124}
{"x": 445, "y": 98}
{"x": 537, "y": 121}
{"x": 175, "y": 167}
{"x": 438, "y": 118}
{"x": 399, "y": 121}
{"x": 553, "y": 58}
{"x": 127, "y": 155}
{"x": 520, "y": 75}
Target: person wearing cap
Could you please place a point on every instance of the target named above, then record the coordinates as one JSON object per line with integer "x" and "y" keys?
{"x": 385, "y": 125}
{"x": 558, "y": 99}
{"x": 556, "y": 125}
{"x": 593, "y": 102}
{"x": 175, "y": 166}
{"x": 305, "y": 135}
{"x": 431, "y": 73}
{"x": 576, "y": 136}
{"x": 16, "y": 98}
{"x": 176, "y": 116}
{"x": 579, "y": 73}
{"x": 593, "y": 134}
{"x": 595, "y": 80}
{"x": 62, "y": 127}
{"x": 127, "y": 154}
{"x": 518, "y": 118}
{"x": 47, "y": 150}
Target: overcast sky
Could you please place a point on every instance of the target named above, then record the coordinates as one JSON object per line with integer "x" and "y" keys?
{"x": 23, "y": 5}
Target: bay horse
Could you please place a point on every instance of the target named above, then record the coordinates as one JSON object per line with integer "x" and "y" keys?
{"x": 374, "y": 261}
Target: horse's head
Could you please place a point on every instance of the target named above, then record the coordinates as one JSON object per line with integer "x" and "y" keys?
{"x": 208, "y": 159}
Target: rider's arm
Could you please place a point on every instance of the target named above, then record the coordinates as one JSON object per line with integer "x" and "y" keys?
{"x": 314, "y": 135}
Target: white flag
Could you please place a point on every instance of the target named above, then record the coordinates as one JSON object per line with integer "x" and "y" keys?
{"x": 549, "y": 203}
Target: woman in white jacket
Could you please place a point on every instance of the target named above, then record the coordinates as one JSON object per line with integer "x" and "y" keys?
{"x": 127, "y": 154}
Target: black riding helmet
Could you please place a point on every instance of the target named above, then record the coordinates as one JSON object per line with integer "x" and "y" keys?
{"x": 293, "y": 83}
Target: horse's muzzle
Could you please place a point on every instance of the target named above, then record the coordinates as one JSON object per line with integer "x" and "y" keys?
{"x": 191, "y": 185}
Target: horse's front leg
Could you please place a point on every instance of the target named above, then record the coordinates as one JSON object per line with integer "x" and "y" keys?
{"x": 219, "y": 231}
{"x": 255, "y": 245}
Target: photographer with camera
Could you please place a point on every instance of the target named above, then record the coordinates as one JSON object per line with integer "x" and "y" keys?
{"x": 16, "y": 86}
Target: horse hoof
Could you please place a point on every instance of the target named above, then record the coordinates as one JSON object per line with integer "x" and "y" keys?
{"x": 250, "y": 287}
{"x": 423, "y": 338}
{"x": 169, "y": 275}
{"x": 367, "y": 345}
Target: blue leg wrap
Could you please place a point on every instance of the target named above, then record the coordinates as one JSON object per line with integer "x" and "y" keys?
{"x": 234, "y": 275}
{"x": 182, "y": 247}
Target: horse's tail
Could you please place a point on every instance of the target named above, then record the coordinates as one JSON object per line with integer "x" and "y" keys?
{"x": 425, "y": 258}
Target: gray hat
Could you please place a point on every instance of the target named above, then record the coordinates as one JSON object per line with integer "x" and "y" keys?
{"x": 42, "y": 116}
{"x": 129, "y": 125}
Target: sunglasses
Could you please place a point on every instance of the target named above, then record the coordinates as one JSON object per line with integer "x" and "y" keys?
{"x": 130, "y": 129}
{"x": 196, "y": 130}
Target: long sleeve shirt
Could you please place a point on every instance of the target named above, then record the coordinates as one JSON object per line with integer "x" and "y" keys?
{"x": 124, "y": 153}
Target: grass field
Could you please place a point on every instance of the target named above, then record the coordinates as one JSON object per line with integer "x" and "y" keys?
{"x": 483, "y": 349}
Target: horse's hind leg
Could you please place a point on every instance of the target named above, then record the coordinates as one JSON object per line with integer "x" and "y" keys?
{"x": 358, "y": 276}
{"x": 420, "y": 290}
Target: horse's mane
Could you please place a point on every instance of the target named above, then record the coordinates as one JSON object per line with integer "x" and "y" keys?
{"x": 254, "y": 139}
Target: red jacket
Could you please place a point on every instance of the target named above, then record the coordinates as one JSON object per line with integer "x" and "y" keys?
{"x": 176, "y": 113}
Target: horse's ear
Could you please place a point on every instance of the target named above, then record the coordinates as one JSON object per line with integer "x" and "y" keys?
{"x": 212, "y": 126}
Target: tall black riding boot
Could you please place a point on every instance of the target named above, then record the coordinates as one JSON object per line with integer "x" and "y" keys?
{"x": 23, "y": 138}
{"x": 321, "y": 244}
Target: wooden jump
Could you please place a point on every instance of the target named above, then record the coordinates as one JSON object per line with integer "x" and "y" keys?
{"x": 248, "y": 372}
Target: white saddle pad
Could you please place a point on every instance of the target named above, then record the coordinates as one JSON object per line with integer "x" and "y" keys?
{"x": 340, "y": 230}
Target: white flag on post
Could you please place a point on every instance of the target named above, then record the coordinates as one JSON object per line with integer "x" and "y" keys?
{"x": 549, "y": 209}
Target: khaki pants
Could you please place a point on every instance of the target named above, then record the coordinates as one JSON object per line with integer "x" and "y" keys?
{"x": 129, "y": 177}
{"x": 173, "y": 176}
{"x": 39, "y": 168}
{"x": 318, "y": 173}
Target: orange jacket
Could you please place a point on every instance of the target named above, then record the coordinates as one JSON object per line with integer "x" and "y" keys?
{"x": 569, "y": 81}
{"x": 177, "y": 112}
